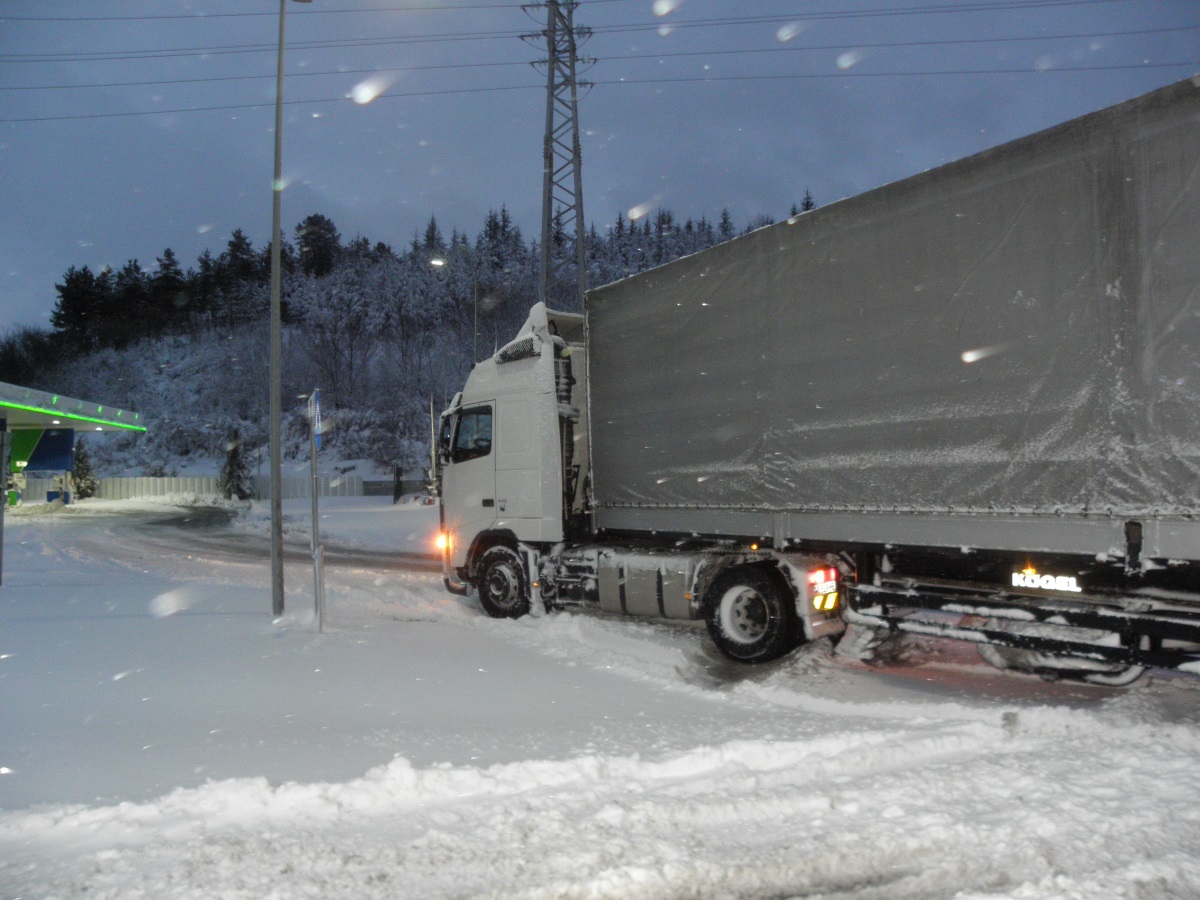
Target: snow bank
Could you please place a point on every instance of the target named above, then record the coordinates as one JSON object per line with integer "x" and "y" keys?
{"x": 92, "y": 506}
{"x": 868, "y": 813}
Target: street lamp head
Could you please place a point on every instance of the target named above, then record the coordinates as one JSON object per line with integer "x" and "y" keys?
{"x": 436, "y": 261}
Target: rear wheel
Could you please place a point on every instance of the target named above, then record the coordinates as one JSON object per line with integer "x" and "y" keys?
{"x": 750, "y": 615}
{"x": 503, "y": 591}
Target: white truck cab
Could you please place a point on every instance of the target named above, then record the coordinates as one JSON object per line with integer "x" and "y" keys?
{"x": 513, "y": 463}
{"x": 500, "y": 453}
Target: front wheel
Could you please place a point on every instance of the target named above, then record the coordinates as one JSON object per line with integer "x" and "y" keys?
{"x": 503, "y": 589}
{"x": 750, "y": 616}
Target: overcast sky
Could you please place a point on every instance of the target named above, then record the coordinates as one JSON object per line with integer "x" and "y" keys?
{"x": 129, "y": 127}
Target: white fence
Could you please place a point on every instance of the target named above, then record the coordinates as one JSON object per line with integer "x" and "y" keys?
{"x": 294, "y": 488}
{"x": 129, "y": 488}
{"x": 298, "y": 488}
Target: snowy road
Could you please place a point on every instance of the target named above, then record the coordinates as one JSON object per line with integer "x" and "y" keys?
{"x": 159, "y": 736}
{"x": 207, "y": 533}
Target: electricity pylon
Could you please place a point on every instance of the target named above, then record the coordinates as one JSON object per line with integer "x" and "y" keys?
{"x": 562, "y": 176}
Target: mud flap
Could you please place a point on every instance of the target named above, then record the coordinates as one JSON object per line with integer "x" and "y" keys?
{"x": 530, "y": 556}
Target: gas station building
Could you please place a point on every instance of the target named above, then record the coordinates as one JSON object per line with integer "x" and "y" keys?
{"x": 37, "y": 435}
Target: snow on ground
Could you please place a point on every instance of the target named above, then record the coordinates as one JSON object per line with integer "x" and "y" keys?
{"x": 372, "y": 523}
{"x": 160, "y": 736}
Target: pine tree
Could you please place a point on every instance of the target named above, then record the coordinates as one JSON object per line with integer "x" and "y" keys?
{"x": 127, "y": 318}
{"x": 84, "y": 476}
{"x": 433, "y": 244}
{"x": 82, "y": 302}
{"x": 725, "y": 226}
{"x": 169, "y": 296}
{"x": 204, "y": 290}
{"x": 241, "y": 284}
{"x": 234, "y": 479}
{"x": 319, "y": 245}
{"x": 238, "y": 262}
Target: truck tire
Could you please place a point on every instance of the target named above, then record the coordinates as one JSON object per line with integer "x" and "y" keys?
{"x": 503, "y": 591}
{"x": 750, "y": 616}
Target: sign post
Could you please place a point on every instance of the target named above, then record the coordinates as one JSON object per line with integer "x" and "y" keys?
{"x": 318, "y": 552}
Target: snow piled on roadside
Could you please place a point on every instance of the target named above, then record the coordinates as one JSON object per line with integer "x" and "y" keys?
{"x": 844, "y": 814}
{"x": 92, "y": 506}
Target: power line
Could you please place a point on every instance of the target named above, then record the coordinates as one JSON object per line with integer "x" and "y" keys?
{"x": 178, "y": 52}
{"x": 698, "y": 79}
{"x": 880, "y": 45}
{"x": 949, "y": 7}
{"x": 1000, "y": 6}
{"x": 203, "y": 17}
{"x": 1011, "y": 6}
{"x": 220, "y": 78}
{"x": 237, "y": 106}
{"x": 931, "y": 73}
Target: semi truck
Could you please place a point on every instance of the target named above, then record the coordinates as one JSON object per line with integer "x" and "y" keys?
{"x": 964, "y": 404}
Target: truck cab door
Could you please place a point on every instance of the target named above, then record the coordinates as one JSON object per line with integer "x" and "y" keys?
{"x": 469, "y": 478}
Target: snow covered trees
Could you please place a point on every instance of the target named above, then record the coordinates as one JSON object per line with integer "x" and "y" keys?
{"x": 493, "y": 277}
{"x": 115, "y": 308}
{"x": 343, "y": 319}
{"x": 25, "y": 354}
{"x": 379, "y": 330}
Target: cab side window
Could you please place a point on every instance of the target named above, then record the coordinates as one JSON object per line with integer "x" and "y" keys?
{"x": 447, "y": 430}
{"x": 474, "y": 436}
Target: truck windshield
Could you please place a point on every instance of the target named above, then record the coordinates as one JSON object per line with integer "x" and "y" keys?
{"x": 474, "y": 436}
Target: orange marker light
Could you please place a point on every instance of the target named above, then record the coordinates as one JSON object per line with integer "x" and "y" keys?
{"x": 823, "y": 584}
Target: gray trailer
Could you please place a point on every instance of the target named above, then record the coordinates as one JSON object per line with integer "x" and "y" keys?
{"x": 974, "y": 393}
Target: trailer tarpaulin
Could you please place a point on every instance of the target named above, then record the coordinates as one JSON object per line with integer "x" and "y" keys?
{"x": 1016, "y": 332}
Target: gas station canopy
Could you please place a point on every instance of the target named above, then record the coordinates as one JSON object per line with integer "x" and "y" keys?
{"x": 26, "y": 408}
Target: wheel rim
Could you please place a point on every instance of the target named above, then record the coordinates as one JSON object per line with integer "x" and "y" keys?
{"x": 502, "y": 585}
{"x": 744, "y": 615}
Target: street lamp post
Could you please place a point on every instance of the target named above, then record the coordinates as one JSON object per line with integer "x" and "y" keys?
{"x": 277, "y": 340}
